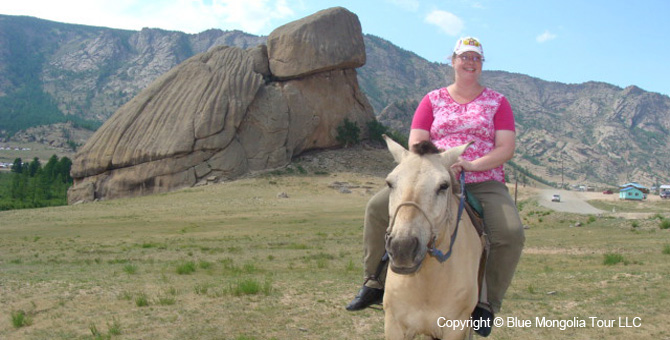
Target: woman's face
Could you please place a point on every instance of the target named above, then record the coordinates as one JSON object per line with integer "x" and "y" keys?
{"x": 468, "y": 65}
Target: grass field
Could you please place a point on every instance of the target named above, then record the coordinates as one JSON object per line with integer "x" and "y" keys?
{"x": 234, "y": 261}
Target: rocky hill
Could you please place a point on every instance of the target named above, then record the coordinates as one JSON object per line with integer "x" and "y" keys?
{"x": 228, "y": 111}
{"x": 590, "y": 133}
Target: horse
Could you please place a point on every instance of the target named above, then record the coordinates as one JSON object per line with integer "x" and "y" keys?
{"x": 422, "y": 294}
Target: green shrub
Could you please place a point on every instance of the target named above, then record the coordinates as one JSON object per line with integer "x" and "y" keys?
{"x": 251, "y": 287}
{"x": 348, "y": 133}
{"x": 376, "y": 130}
{"x": 130, "y": 269}
{"x": 611, "y": 259}
{"x": 21, "y": 319}
{"x": 246, "y": 287}
{"x": 186, "y": 268}
{"x": 141, "y": 300}
{"x": 665, "y": 224}
{"x": 166, "y": 300}
{"x": 666, "y": 249}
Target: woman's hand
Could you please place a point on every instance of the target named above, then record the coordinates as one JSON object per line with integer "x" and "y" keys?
{"x": 463, "y": 165}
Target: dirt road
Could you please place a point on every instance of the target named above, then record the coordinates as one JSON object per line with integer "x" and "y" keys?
{"x": 571, "y": 201}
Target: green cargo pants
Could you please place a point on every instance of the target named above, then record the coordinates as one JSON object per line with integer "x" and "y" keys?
{"x": 503, "y": 228}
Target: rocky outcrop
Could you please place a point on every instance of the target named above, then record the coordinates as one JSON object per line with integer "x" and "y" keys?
{"x": 225, "y": 112}
{"x": 324, "y": 41}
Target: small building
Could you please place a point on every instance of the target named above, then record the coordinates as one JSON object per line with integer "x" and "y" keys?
{"x": 631, "y": 193}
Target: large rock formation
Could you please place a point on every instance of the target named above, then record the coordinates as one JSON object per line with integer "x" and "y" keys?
{"x": 229, "y": 111}
{"x": 321, "y": 42}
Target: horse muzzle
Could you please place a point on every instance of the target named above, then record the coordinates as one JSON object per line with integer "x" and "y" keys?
{"x": 406, "y": 254}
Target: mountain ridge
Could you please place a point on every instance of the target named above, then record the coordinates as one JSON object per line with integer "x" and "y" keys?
{"x": 600, "y": 132}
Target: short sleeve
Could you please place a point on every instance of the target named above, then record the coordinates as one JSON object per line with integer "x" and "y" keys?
{"x": 504, "y": 117}
{"x": 423, "y": 116}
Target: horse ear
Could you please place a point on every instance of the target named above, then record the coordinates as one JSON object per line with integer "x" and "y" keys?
{"x": 451, "y": 156}
{"x": 397, "y": 150}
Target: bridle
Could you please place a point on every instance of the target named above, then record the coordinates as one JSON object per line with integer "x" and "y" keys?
{"x": 432, "y": 246}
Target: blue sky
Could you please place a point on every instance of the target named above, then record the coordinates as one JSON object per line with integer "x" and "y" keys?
{"x": 620, "y": 42}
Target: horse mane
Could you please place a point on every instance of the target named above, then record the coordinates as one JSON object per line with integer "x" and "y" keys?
{"x": 425, "y": 148}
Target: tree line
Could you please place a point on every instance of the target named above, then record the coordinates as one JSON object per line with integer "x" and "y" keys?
{"x": 31, "y": 185}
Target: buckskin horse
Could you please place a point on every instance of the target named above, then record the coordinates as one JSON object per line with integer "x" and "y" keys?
{"x": 433, "y": 258}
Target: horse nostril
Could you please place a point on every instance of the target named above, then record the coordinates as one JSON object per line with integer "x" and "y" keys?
{"x": 406, "y": 247}
{"x": 389, "y": 245}
{"x": 415, "y": 245}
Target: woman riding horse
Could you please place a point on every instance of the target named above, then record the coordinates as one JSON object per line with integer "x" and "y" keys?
{"x": 461, "y": 112}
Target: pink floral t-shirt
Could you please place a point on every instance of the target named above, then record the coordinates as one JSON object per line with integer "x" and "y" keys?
{"x": 452, "y": 124}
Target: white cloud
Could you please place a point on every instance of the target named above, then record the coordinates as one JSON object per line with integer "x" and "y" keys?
{"x": 446, "y": 22}
{"x": 191, "y": 16}
{"x": 409, "y": 5}
{"x": 546, "y": 36}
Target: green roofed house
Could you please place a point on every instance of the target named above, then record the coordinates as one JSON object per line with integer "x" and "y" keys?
{"x": 633, "y": 191}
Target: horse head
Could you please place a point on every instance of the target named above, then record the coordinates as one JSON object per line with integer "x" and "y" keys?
{"x": 422, "y": 202}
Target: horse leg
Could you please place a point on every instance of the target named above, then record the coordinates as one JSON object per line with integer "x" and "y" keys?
{"x": 392, "y": 329}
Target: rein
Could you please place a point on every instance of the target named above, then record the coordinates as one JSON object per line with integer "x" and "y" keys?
{"x": 432, "y": 249}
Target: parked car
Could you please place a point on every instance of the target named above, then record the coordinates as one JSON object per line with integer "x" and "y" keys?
{"x": 607, "y": 192}
{"x": 665, "y": 194}
{"x": 556, "y": 198}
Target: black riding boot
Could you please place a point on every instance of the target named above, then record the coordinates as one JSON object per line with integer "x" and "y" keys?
{"x": 485, "y": 317}
{"x": 366, "y": 296}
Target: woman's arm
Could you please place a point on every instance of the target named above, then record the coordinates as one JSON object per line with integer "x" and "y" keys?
{"x": 417, "y": 136}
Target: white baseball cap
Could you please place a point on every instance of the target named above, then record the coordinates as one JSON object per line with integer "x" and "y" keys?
{"x": 468, "y": 44}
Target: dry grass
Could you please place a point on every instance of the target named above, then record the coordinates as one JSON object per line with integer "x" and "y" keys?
{"x": 233, "y": 261}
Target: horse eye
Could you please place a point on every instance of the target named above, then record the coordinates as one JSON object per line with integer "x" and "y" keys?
{"x": 443, "y": 187}
{"x": 390, "y": 185}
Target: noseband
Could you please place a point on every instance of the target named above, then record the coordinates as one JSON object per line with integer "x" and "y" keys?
{"x": 432, "y": 247}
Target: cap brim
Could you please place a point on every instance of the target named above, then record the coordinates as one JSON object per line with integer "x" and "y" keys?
{"x": 468, "y": 49}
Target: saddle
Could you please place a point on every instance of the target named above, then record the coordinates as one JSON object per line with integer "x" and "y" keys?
{"x": 476, "y": 213}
